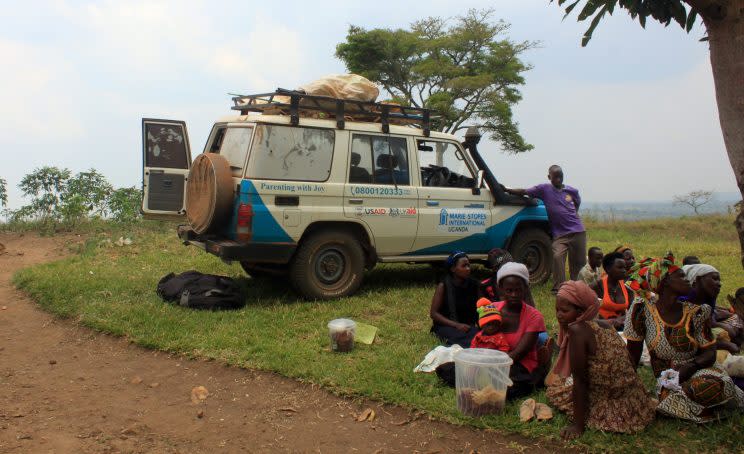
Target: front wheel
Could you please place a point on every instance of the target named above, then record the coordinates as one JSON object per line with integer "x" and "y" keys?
{"x": 534, "y": 248}
{"x": 328, "y": 265}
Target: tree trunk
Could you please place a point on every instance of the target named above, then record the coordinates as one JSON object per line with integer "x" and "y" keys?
{"x": 726, "y": 37}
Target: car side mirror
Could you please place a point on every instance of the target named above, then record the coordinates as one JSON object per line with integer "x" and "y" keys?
{"x": 478, "y": 182}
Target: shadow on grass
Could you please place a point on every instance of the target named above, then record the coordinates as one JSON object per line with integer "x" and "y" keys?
{"x": 267, "y": 291}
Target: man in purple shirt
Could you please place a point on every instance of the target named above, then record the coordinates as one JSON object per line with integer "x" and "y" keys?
{"x": 569, "y": 236}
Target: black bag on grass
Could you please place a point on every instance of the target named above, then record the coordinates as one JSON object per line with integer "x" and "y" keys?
{"x": 201, "y": 291}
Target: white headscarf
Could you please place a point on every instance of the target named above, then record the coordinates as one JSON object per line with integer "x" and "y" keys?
{"x": 692, "y": 272}
{"x": 513, "y": 269}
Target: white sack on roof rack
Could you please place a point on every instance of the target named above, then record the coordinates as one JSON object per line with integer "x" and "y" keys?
{"x": 343, "y": 86}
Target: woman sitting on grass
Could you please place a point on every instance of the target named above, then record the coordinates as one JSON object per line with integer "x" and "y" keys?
{"x": 679, "y": 339}
{"x": 488, "y": 288}
{"x": 593, "y": 380}
{"x": 453, "y": 310}
{"x": 614, "y": 295}
{"x": 628, "y": 256}
{"x": 706, "y": 285}
{"x": 520, "y": 325}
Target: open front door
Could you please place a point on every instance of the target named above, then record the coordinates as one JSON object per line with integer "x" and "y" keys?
{"x": 166, "y": 158}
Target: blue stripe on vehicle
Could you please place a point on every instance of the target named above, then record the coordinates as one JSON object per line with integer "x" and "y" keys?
{"x": 496, "y": 235}
{"x": 265, "y": 228}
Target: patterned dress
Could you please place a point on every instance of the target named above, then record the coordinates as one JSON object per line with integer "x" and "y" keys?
{"x": 618, "y": 401}
{"x": 674, "y": 345}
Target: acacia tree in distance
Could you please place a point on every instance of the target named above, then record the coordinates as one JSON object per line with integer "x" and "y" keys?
{"x": 694, "y": 199}
{"x": 463, "y": 69}
{"x": 724, "y": 23}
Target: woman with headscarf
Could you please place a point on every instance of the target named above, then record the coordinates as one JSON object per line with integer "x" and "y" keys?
{"x": 521, "y": 325}
{"x": 679, "y": 339}
{"x": 453, "y": 307}
{"x": 706, "y": 285}
{"x": 593, "y": 380}
{"x": 627, "y": 256}
{"x": 488, "y": 288}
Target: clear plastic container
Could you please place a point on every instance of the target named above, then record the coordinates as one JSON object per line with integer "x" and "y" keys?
{"x": 341, "y": 332}
{"x": 481, "y": 380}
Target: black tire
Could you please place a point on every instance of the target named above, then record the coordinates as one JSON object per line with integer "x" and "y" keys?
{"x": 534, "y": 248}
{"x": 328, "y": 265}
{"x": 261, "y": 271}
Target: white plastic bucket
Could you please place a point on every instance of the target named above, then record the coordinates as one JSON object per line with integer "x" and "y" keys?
{"x": 342, "y": 331}
{"x": 481, "y": 380}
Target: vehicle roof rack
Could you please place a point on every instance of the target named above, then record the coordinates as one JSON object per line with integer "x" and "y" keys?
{"x": 296, "y": 104}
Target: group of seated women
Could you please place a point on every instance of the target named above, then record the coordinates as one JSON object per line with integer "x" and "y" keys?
{"x": 594, "y": 380}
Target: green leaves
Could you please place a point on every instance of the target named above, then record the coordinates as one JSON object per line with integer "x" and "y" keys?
{"x": 663, "y": 11}
{"x": 92, "y": 187}
{"x": 45, "y": 187}
{"x": 595, "y": 22}
{"x": 690, "y": 20}
{"x": 124, "y": 204}
{"x": 56, "y": 197}
{"x": 589, "y": 9}
{"x": 450, "y": 66}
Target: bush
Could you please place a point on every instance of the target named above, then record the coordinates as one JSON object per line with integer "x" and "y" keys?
{"x": 45, "y": 187}
{"x": 88, "y": 192}
{"x": 124, "y": 204}
{"x": 59, "y": 200}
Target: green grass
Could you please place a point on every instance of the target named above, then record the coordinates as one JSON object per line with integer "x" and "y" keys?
{"x": 112, "y": 289}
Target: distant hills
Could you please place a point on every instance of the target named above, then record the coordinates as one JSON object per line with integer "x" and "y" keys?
{"x": 722, "y": 202}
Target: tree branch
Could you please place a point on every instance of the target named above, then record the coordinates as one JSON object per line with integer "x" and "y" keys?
{"x": 474, "y": 102}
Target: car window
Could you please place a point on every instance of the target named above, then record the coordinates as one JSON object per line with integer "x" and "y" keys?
{"x": 292, "y": 153}
{"x": 443, "y": 164}
{"x": 166, "y": 146}
{"x": 379, "y": 160}
{"x": 234, "y": 147}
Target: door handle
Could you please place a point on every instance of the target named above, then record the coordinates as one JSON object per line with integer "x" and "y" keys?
{"x": 356, "y": 201}
{"x": 432, "y": 203}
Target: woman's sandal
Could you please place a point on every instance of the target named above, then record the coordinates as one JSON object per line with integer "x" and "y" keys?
{"x": 530, "y": 409}
{"x": 527, "y": 410}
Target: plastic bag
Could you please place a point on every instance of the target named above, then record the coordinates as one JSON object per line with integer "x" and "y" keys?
{"x": 343, "y": 86}
{"x": 434, "y": 358}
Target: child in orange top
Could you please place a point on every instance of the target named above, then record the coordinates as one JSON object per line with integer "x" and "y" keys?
{"x": 489, "y": 319}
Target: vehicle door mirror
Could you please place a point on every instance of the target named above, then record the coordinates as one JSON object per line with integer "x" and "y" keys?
{"x": 478, "y": 182}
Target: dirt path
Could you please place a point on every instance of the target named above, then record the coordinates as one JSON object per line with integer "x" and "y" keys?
{"x": 67, "y": 389}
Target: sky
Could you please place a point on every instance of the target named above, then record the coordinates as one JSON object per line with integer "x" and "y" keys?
{"x": 630, "y": 117}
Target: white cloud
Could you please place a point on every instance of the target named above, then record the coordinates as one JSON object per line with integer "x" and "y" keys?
{"x": 624, "y": 141}
{"x": 36, "y": 98}
{"x": 163, "y": 39}
{"x": 268, "y": 53}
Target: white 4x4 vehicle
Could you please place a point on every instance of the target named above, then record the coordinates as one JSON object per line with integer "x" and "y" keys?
{"x": 322, "y": 199}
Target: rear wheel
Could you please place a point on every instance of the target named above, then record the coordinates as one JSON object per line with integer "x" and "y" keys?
{"x": 328, "y": 265}
{"x": 534, "y": 248}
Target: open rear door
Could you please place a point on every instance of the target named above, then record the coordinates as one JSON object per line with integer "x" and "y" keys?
{"x": 166, "y": 159}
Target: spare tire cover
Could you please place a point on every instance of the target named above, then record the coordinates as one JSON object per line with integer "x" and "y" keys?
{"x": 209, "y": 193}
